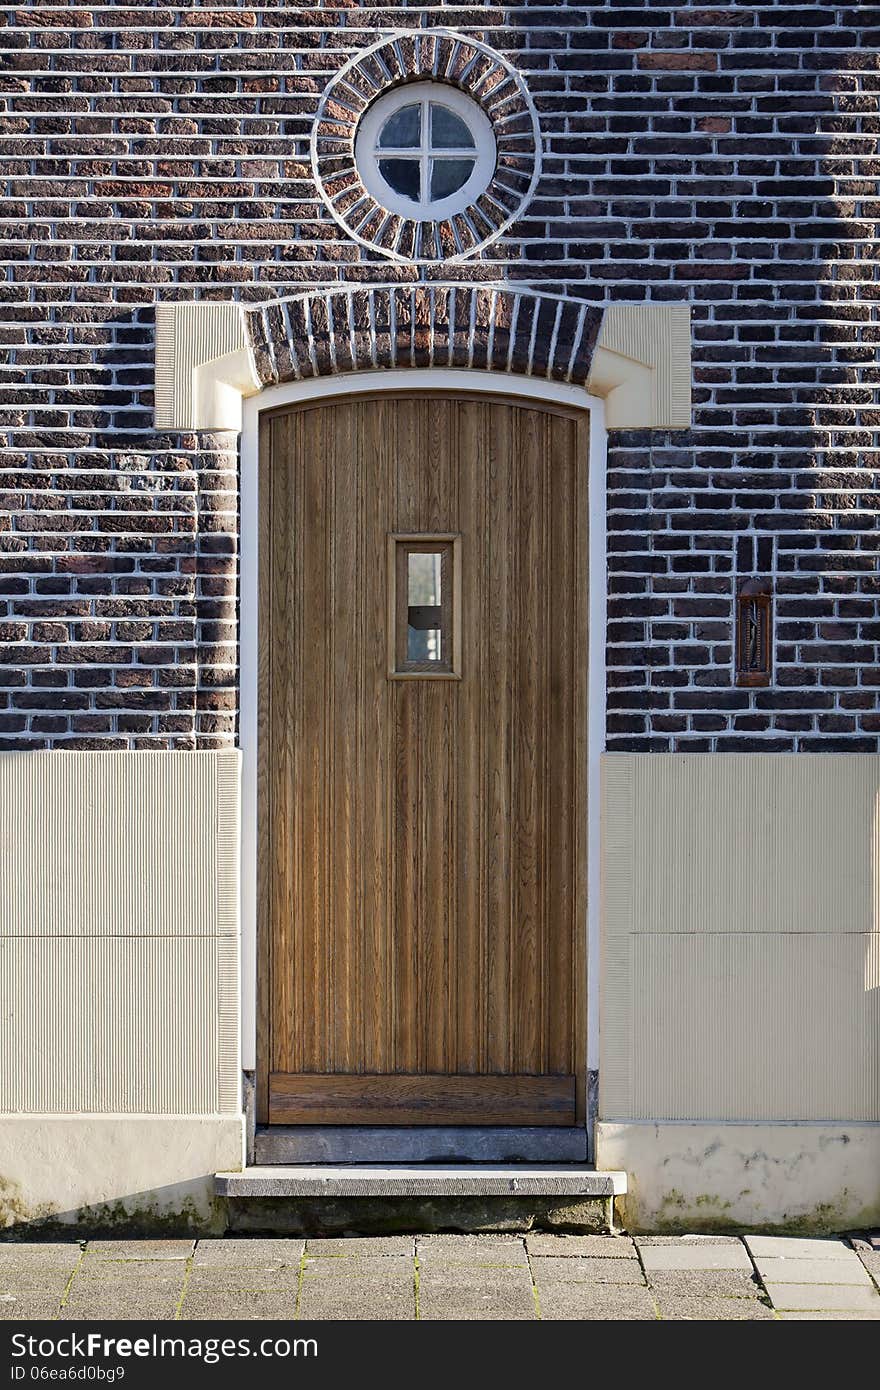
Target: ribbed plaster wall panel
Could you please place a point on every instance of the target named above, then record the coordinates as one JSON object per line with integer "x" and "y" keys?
{"x": 108, "y": 1024}
{"x": 741, "y": 937}
{"x": 126, "y": 844}
{"x": 755, "y": 1027}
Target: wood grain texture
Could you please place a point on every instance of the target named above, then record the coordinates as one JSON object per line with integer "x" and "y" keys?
{"x": 427, "y": 1099}
{"x": 422, "y": 841}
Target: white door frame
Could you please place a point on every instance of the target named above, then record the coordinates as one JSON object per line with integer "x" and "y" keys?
{"x": 414, "y": 379}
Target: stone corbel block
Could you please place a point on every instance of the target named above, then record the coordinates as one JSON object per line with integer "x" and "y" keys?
{"x": 204, "y": 366}
{"x": 642, "y": 366}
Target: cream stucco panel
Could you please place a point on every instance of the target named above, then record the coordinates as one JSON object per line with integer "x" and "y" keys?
{"x": 119, "y": 844}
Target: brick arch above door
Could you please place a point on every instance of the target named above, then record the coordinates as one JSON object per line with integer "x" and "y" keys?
{"x": 495, "y": 327}
{"x": 211, "y": 354}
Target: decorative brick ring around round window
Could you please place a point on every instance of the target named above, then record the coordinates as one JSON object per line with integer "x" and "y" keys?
{"x": 442, "y": 57}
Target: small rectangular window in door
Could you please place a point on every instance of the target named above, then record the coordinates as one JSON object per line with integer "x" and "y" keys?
{"x": 424, "y": 616}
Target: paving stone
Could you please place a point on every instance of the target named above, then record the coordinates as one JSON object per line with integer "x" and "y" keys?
{"x": 589, "y": 1302}
{"x": 249, "y": 1304}
{"x": 813, "y": 1271}
{"x": 849, "y": 1316}
{"x": 39, "y": 1307}
{"x": 95, "y": 1304}
{"x": 361, "y": 1299}
{"x": 248, "y": 1251}
{"x": 359, "y": 1246}
{"x": 695, "y": 1239}
{"x": 871, "y": 1261}
{"x": 705, "y": 1283}
{"x": 220, "y": 1279}
{"x": 694, "y": 1256}
{"x": 456, "y": 1291}
{"x": 823, "y": 1297}
{"x": 377, "y": 1267}
{"x": 140, "y": 1249}
{"x": 606, "y": 1247}
{"x": 130, "y": 1274}
{"x": 472, "y": 1250}
{"x": 585, "y": 1270}
{"x": 692, "y": 1309}
{"x": 797, "y": 1247}
{"x": 488, "y": 1275}
{"x": 34, "y": 1279}
{"x": 861, "y": 1244}
{"x": 47, "y": 1253}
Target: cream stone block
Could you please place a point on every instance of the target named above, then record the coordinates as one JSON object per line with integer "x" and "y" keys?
{"x": 642, "y": 366}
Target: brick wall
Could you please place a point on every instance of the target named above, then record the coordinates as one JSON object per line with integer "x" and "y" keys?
{"x": 725, "y": 157}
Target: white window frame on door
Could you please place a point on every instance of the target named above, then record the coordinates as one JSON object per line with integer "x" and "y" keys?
{"x": 414, "y": 379}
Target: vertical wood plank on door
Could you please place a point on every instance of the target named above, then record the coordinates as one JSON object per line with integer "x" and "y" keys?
{"x": 284, "y": 610}
{"x": 266, "y": 919}
{"x": 498, "y": 634}
{"x": 315, "y": 712}
{"x": 528, "y": 713}
{"x": 579, "y": 702}
{"x": 409, "y": 1045}
{"x": 377, "y": 445}
{"x": 563, "y": 655}
{"x": 438, "y": 511}
{"x": 345, "y": 636}
{"x": 468, "y": 967}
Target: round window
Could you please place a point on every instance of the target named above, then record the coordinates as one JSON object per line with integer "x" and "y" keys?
{"x": 425, "y": 151}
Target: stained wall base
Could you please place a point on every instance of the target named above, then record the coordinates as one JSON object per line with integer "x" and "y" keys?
{"x": 805, "y": 1178}
{"x": 122, "y": 1174}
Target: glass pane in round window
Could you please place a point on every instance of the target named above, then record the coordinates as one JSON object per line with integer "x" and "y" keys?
{"x": 448, "y": 176}
{"x": 403, "y": 130}
{"x": 404, "y": 176}
{"x": 448, "y": 131}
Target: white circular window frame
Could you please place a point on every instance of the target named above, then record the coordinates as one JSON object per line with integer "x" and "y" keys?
{"x": 348, "y": 85}
{"x": 367, "y": 154}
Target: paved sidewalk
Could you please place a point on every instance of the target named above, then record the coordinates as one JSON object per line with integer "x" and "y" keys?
{"x": 445, "y": 1277}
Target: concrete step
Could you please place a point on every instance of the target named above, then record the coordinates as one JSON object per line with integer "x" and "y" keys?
{"x": 422, "y": 1180}
{"x": 374, "y": 1198}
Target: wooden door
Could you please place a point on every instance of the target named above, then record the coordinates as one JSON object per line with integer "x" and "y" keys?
{"x": 422, "y": 831}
